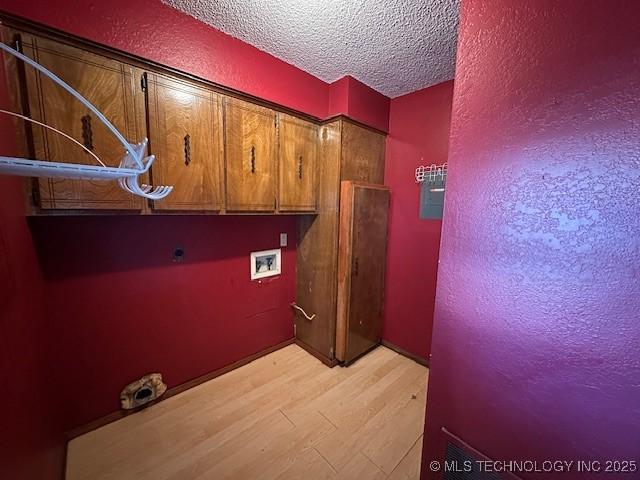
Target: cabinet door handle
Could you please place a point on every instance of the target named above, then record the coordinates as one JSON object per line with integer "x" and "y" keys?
{"x": 187, "y": 149}
{"x": 87, "y": 133}
{"x": 300, "y": 167}
{"x": 355, "y": 266}
{"x": 253, "y": 159}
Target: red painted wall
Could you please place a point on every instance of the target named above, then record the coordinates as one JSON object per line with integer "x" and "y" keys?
{"x": 418, "y": 135}
{"x": 348, "y": 96}
{"x": 119, "y": 307}
{"x": 339, "y": 97}
{"x": 367, "y": 105}
{"x": 157, "y": 32}
{"x": 30, "y": 446}
{"x": 535, "y": 344}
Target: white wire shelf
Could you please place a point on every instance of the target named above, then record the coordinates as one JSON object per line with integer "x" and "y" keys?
{"x": 135, "y": 162}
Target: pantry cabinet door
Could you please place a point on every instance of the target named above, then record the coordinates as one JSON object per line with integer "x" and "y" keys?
{"x": 110, "y": 86}
{"x": 361, "y": 268}
{"x": 298, "y": 152}
{"x": 185, "y": 135}
{"x": 250, "y": 152}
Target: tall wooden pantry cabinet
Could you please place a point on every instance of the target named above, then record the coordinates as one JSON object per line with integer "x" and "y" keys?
{"x": 348, "y": 151}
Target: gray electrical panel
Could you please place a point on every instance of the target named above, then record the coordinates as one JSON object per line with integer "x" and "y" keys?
{"x": 432, "y": 199}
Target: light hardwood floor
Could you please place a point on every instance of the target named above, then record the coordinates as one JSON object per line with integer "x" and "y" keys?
{"x": 283, "y": 416}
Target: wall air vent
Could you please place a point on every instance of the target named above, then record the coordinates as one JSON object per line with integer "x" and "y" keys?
{"x": 460, "y": 464}
{"x": 463, "y": 462}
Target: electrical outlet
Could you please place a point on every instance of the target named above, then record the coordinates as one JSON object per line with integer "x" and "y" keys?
{"x": 178, "y": 255}
{"x": 283, "y": 239}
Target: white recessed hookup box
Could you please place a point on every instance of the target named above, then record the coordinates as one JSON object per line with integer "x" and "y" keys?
{"x": 266, "y": 263}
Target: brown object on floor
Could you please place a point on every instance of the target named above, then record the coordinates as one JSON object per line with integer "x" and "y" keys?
{"x": 362, "y": 251}
{"x": 283, "y": 416}
{"x": 142, "y": 391}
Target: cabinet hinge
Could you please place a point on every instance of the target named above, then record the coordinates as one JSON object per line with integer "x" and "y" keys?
{"x": 331, "y": 353}
{"x": 294, "y": 331}
{"x": 143, "y": 81}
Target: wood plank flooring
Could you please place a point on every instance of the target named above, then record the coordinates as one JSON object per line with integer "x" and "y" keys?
{"x": 284, "y": 416}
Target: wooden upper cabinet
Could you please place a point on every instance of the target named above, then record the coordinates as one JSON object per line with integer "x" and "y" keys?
{"x": 298, "y": 153}
{"x": 362, "y": 154}
{"x": 250, "y": 151}
{"x": 110, "y": 86}
{"x": 185, "y": 131}
{"x": 220, "y": 153}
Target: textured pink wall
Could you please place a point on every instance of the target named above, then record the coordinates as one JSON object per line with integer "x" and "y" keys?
{"x": 418, "y": 135}
{"x": 535, "y": 351}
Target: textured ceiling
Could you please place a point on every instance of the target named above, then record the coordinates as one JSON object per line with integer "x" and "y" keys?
{"x": 394, "y": 46}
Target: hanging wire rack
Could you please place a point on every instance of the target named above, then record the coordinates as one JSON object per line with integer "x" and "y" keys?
{"x": 431, "y": 173}
{"x": 134, "y": 163}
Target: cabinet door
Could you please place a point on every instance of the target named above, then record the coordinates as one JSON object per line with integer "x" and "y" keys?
{"x": 185, "y": 129}
{"x": 110, "y": 86}
{"x": 361, "y": 267}
{"x": 362, "y": 154}
{"x": 298, "y": 145}
{"x": 317, "y": 254}
{"x": 250, "y": 151}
